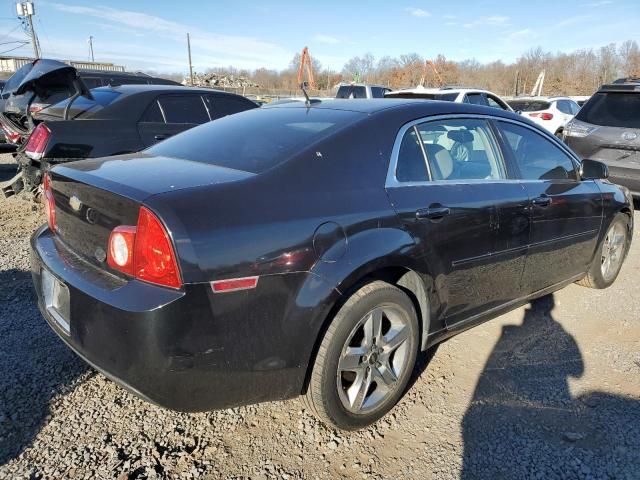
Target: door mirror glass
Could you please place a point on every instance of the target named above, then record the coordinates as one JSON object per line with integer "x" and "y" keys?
{"x": 593, "y": 170}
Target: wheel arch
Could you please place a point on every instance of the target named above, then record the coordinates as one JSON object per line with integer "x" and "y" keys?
{"x": 401, "y": 276}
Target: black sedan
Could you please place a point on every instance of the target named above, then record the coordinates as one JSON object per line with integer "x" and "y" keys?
{"x": 315, "y": 249}
{"x": 116, "y": 120}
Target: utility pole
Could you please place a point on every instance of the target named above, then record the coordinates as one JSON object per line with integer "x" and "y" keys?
{"x": 190, "y": 65}
{"x": 26, "y": 9}
{"x": 91, "y": 48}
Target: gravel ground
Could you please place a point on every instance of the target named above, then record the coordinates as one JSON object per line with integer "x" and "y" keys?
{"x": 547, "y": 391}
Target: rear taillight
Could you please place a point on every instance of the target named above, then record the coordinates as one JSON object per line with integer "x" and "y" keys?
{"x": 542, "y": 116}
{"x": 144, "y": 251}
{"x": 12, "y": 137}
{"x": 38, "y": 141}
{"x": 49, "y": 203}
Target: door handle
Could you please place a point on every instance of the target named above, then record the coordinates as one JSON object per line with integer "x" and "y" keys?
{"x": 435, "y": 214}
{"x": 161, "y": 136}
{"x": 543, "y": 201}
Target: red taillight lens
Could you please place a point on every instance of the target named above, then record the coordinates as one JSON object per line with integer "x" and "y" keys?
{"x": 12, "y": 137}
{"x": 38, "y": 141}
{"x": 121, "y": 247}
{"x": 49, "y": 203}
{"x": 144, "y": 251}
{"x": 542, "y": 116}
{"x": 155, "y": 260}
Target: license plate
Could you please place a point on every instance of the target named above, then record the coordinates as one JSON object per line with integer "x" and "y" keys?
{"x": 56, "y": 300}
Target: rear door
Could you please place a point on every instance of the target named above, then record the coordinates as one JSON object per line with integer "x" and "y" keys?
{"x": 565, "y": 212}
{"x": 454, "y": 211}
{"x": 171, "y": 114}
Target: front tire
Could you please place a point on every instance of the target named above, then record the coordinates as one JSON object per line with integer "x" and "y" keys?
{"x": 610, "y": 255}
{"x": 365, "y": 359}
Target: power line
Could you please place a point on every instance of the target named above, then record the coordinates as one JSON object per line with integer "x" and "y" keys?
{"x": 15, "y": 48}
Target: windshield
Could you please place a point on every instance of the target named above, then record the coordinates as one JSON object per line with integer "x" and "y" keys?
{"x": 256, "y": 140}
{"x": 529, "y": 105}
{"x": 351, "y": 91}
{"x": 612, "y": 109}
{"x": 82, "y": 107}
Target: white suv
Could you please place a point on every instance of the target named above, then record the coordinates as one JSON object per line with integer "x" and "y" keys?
{"x": 453, "y": 94}
{"x": 552, "y": 113}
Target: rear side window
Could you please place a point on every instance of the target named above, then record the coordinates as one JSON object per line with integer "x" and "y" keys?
{"x": 492, "y": 102}
{"x": 612, "y": 109}
{"x": 565, "y": 107}
{"x": 352, "y": 91}
{"x": 476, "y": 99}
{"x": 92, "y": 82}
{"x": 256, "y": 140}
{"x": 411, "y": 166}
{"x": 183, "y": 109}
{"x": 153, "y": 114}
{"x": 378, "y": 92}
{"x": 221, "y": 106}
{"x": 537, "y": 158}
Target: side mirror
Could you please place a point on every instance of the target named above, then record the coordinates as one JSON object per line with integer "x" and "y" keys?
{"x": 593, "y": 170}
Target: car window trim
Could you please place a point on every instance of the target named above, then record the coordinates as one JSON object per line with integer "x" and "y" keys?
{"x": 575, "y": 162}
{"x": 150, "y": 106}
{"x": 392, "y": 181}
{"x": 206, "y": 107}
{"x": 174, "y": 95}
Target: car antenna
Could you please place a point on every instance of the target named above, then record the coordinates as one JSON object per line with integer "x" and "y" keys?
{"x": 303, "y": 87}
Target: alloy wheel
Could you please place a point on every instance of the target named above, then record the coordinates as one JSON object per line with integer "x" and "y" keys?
{"x": 374, "y": 356}
{"x": 613, "y": 251}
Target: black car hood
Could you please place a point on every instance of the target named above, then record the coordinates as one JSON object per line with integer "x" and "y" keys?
{"x": 46, "y": 73}
{"x": 139, "y": 176}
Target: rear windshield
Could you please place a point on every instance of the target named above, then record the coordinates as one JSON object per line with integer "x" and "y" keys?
{"x": 529, "y": 105}
{"x": 256, "y": 140}
{"x": 445, "y": 97}
{"x": 612, "y": 109}
{"x": 351, "y": 91}
{"x": 82, "y": 107}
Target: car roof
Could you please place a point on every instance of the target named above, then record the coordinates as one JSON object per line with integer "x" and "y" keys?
{"x": 440, "y": 90}
{"x": 419, "y": 106}
{"x": 144, "y": 88}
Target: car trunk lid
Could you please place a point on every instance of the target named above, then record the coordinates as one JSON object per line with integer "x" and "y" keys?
{"x": 92, "y": 197}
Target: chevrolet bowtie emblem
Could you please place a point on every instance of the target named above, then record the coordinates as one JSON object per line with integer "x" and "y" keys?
{"x": 75, "y": 203}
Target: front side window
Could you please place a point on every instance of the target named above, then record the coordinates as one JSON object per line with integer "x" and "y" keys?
{"x": 351, "y": 91}
{"x": 153, "y": 114}
{"x": 537, "y": 158}
{"x": 221, "y": 106}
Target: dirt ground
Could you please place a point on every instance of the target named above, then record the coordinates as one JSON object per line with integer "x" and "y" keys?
{"x": 551, "y": 390}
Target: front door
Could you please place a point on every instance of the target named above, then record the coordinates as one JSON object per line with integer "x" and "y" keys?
{"x": 453, "y": 205}
{"x": 565, "y": 212}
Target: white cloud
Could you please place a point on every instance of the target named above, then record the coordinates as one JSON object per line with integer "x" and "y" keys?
{"x": 242, "y": 51}
{"x": 567, "y": 22}
{"x": 450, "y": 24}
{"x": 494, "y": 21}
{"x": 319, "y": 37}
{"x": 417, "y": 12}
{"x": 449, "y": 17}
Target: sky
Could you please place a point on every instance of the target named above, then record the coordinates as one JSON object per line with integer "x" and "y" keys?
{"x": 151, "y": 35}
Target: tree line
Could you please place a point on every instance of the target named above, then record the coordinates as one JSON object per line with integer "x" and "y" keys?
{"x": 577, "y": 73}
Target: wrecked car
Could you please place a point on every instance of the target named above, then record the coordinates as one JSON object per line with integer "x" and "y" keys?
{"x": 108, "y": 121}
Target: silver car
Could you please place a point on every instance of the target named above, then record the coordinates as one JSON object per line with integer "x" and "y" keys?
{"x": 607, "y": 128}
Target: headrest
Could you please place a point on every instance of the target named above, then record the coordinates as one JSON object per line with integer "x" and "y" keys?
{"x": 460, "y": 136}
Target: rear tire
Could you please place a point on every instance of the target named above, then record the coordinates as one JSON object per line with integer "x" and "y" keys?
{"x": 365, "y": 359}
{"x": 610, "y": 255}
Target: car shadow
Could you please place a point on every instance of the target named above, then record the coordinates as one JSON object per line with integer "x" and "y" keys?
{"x": 35, "y": 365}
{"x": 523, "y": 421}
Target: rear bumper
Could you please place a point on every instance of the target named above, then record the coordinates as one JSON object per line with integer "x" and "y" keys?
{"x": 180, "y": 349}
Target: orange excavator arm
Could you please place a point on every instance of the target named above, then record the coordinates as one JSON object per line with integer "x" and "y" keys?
{"x": 305, "y": 62}
{"x": 429, "y": 63}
